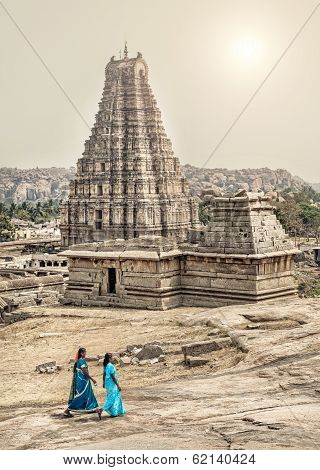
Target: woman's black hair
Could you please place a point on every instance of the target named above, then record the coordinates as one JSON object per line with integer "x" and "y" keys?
{"x": 107, "y": 359}
{"x": 80, "y": 351}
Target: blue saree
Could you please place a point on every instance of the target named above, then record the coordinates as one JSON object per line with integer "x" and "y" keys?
{"x": 113, "y": 404}
{"x": 81, "y": 398}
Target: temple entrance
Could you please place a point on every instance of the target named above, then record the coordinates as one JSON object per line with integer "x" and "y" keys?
{"x": 109, "y": 281}
{"x": 112, "y": 280}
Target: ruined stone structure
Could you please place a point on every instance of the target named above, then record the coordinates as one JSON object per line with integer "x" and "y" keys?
{"x": 19, "y": 292}
{"x": 128, "y": 183}
{"x": 243, "y": 256}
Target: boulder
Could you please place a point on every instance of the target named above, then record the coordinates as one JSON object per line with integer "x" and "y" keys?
{"x": 135, "y": 360}
{"x": 92, "y": 358}
{"x": 214, "y": 332}
{"x": 211, "y": 324}
{"x": 150, "y": 351}
{"x": 46, "y": 365}
{"x": 195, "y": 361}
{"x": 157, "y": 343}
{"x": 115, "y": 360}
{"x": 131, "y": 347}
{"x": 125, "y": 361}
{"x": 144, "y": 362}
{"x": 223, "y": 342}
{"x": 194, "y": 349}
{"x": 135, "y": 351}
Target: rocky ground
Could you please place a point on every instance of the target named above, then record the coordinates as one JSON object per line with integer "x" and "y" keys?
{"x": 260, "y": 392}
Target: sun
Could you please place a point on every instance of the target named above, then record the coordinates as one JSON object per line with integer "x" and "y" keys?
{"x": 246, "y": 50}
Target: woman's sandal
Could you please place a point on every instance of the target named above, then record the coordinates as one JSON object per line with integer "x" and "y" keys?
{"x": 67, "y": 414}
{"x": 99, "y": 414}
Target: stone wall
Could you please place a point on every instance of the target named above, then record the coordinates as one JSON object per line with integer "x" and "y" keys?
{"x": 186, "y": 279}
{"x": 139, "y": 282}
{"x": 213, "y": 280}
{"x": 28, "y": 291}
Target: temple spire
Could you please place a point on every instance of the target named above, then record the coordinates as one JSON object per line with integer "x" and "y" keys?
{"x": 131, "y": 196}
{"x": 125, "y": 50}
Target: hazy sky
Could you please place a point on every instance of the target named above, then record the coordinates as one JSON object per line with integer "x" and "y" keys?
{"x": 205, "y": 58}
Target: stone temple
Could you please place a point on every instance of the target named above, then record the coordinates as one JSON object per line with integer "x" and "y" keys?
{"x": 242, "y": 256}
{"x": 128, "y": 183}
{"x": 132, "y": 230}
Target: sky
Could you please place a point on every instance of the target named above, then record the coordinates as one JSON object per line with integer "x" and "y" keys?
{"x": 205, "y": 59}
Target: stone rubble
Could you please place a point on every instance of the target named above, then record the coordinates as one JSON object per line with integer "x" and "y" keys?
{"x": 48, "y": 367}
{"x": 149, "y": 351}
{"x": 136, "y": 354}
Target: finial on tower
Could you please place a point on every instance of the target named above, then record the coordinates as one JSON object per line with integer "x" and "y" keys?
{"x": 125, "y": 50}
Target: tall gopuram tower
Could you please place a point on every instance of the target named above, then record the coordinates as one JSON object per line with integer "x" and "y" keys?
{"x": 128, "y": 182}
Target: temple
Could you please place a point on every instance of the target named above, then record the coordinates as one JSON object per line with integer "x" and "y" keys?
{"x": 242, "y": 256}
{"x": 132, "y": 229}
{"x": 128, "y": 182}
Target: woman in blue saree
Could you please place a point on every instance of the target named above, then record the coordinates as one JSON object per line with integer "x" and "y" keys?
{"x": 113, "y": 405}
{"x": 82, "y": 398}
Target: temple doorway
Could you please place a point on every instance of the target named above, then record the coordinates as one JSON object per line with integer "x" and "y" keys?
{"x": 112, "y": 280}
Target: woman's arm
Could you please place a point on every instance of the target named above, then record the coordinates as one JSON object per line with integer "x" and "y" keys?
{"x": 116, "y": 382}
{"x": 104, "y": 379}
{"x": 86, "y": 374}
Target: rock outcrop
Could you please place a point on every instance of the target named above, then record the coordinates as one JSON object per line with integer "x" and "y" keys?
{"x": 223, "y": 180}
{"x": 264, "y": 398}
{"x": 34, "y": 184}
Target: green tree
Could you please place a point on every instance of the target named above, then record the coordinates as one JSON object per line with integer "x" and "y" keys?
{"x": 288, "y": 213}
{"x": 307, "y": 194}
{"x": 3, "y": 209}
{"x": 6, "y": 228}
{"x": 310, "y": 216}
{"x": 12, "y": 209}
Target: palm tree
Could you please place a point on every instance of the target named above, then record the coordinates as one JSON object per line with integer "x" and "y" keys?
{"x": 12, "y": 209}
{"x": 3, "y": 209}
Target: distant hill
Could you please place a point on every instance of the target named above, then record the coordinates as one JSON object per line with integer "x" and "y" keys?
{"x": 251, "y": 179}
{"x": 34, "y": 184}
{"x": 316, "y": 187}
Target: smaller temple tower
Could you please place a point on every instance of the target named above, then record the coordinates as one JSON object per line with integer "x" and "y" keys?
{"x": 128, "y": 182}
